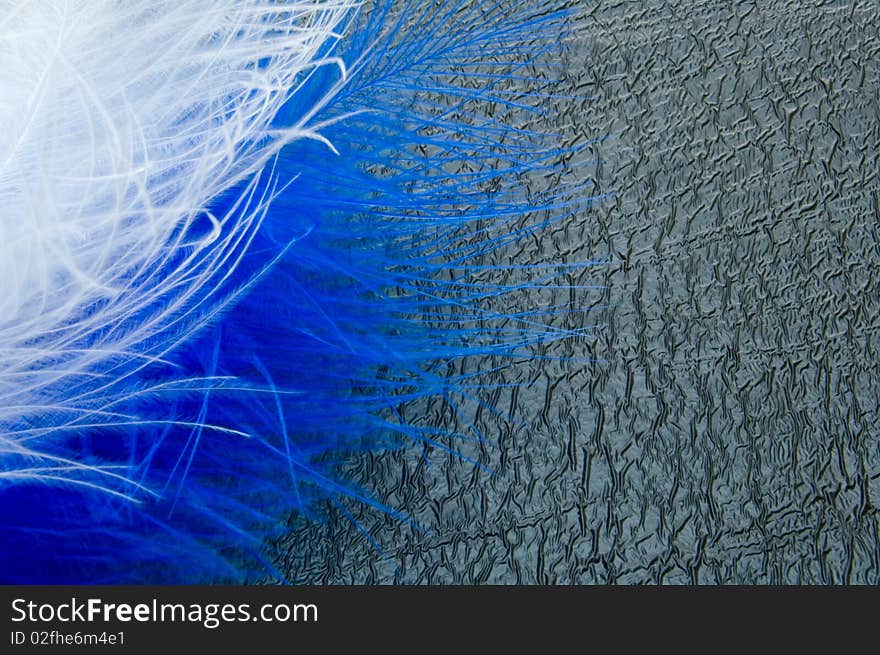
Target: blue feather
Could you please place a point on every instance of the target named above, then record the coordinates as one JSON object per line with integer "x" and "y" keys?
{"x": 364, "y": 278}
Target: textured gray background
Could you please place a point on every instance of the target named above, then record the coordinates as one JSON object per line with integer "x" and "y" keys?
{"x": 729, "y": 432}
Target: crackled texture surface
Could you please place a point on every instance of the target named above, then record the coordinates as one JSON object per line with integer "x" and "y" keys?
{"x": 728, "y": 431}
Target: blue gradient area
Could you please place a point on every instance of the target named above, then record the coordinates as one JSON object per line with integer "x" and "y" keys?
{"x": 364, "y": 280}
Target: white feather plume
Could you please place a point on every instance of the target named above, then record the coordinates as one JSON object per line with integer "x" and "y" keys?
{"x": 120, "y": 121}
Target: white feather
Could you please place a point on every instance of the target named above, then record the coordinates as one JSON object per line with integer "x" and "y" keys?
{"x": 120, "y": 121}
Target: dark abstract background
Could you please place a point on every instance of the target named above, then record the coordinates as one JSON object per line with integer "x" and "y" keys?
{"x": 726, "y": 430}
